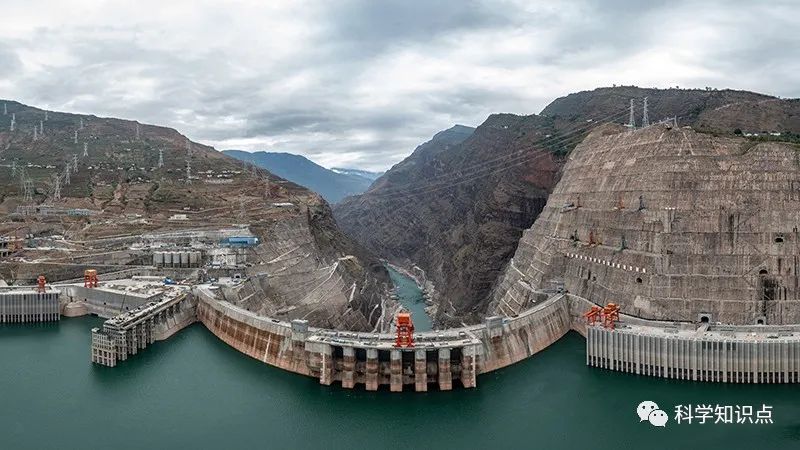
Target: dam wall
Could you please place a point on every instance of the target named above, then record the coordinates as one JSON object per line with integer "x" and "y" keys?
{"x": 440, "y": 359}
{"x": 718, "y": 354}
{"x": 104, "y": 302}
{"x": 29, "y": 305}
{"x": 454, "y": 357}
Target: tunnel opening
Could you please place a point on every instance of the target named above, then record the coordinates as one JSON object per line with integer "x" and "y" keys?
{"x": 760, "y": 321}
{"x": 763, "y": 272}
{"x": 779, "y": 240}
{"x": 639, "y": 280}
{"x": 705, "y": 318}
{"x": 769, "y": 289}
{"x": 408, "y": 359}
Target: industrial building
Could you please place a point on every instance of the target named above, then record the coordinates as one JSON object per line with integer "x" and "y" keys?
{"x": 9, "y": 245}
{"x": 178, "y": 259}
{"x": 240, "y": 241}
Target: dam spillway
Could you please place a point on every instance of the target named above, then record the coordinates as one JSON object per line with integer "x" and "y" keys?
{"x": 444, "y": 359}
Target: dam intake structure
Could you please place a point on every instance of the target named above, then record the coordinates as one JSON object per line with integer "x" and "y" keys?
{"x": 129, "y": 332}
{"x": 29, "y": 304}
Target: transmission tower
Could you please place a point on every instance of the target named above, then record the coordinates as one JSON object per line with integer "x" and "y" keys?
{"x": 21, "y": 178}
{"x": 57, "y": 188}
{"x": 75, "y": 163}
{"x": 13, "y": 120}
{"x": 45, "y": 116}
{"x": 188, "y": 171}
{"x": 631, "y": 120}
{"x": 66, "y": 176}
{"x": 188, "y": 147}
{"x": 35, "y": 133}
{"x": 161, "y": 158}
{"x": 81, "y": 125}
{"x": 645, "y": 120}
{"x": 85, "y": 150}
{"x": 75, "y": 137}
{"x": 28, "y": 190}
{"x": 5, "y": 109}
{"x": 13, "y": 168}
{"x": 242, "y": 213}
{"x": 41, "y": 128}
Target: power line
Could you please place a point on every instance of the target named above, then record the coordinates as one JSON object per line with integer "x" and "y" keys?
{"x": 488, "y": 167}
{"x": 516, "y": 154}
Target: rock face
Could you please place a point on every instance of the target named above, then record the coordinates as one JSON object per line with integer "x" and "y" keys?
{"x": 304, "y": 268}
{"x": 459, "y": 226}
{"x": 670, "y": 224}
{"x": 458, "y": 212}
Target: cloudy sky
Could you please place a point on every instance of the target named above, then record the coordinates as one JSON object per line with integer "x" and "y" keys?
{"x": 361, "y": 83}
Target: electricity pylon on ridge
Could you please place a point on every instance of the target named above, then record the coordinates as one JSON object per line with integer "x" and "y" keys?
{"x": 645, "y": 120}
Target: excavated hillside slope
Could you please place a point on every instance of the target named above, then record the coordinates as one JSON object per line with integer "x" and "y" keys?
{"x": 304, "y": 268}
{"x": 459, "y": 214}
{"x": 670, "y": 224}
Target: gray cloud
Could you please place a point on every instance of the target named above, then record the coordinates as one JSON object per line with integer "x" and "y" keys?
{"x": 361, "y": 83}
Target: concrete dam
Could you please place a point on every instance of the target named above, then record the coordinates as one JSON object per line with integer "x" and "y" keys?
{"x": 441, "y": 359}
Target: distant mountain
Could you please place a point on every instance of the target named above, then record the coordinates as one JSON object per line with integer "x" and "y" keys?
{"x": 372, "y": 176}
{"x": 331, "y": 185}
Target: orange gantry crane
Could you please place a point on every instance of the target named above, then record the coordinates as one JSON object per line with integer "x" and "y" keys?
{"x": 610, "y": 315}
{"x": 606, "y": 316}
{"x": 405, "y": 330}
{"x": 593, "y": 315}
{"x": 40, "y": 283}
{"x": 90, "y": 278}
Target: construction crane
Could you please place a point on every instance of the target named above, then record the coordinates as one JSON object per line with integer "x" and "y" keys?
{"x": 593, "y": 315}
{"x": 41, "y": 282}
{"x": 607, "y": 315}
{"x": 405, "y": 330}
{"x": 90, "y": 278}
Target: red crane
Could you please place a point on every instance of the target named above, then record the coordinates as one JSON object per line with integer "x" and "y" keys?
{"x": 405, "y": 330}
{"x": 40, "y": 282}
{"x": 90, "y": 278}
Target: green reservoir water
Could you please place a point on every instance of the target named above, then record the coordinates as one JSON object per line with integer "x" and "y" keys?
{"x": 195, "y": 392}
{"x": 410, "y": 296}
